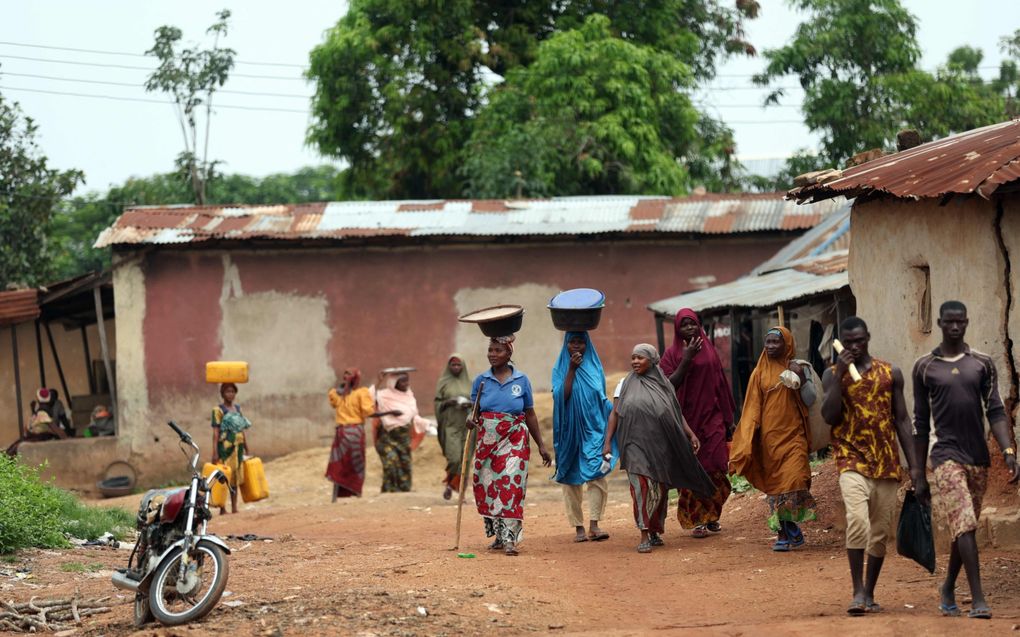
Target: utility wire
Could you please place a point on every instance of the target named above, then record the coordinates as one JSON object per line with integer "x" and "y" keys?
{"x": 148, "y": 101}
{"x": 135, "y": 85}
{"x": 138, "y": 68}
{"x": 137, "y": 55}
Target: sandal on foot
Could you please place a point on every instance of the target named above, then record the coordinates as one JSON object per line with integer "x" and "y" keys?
{"x": 949, "y": 610}
{"x": 496, "y": 546}
{"x": 581, "y": 538}
{"x": 980, "y": 613}
{"x": 856, "y": 608}
{"x": 796, "y": 538}
{"x": 644, "y": 547}
{"x": 781, "y": 546}
{"x": 598, "y": 537}
{"x": 700, "y": 531}
{"x": 713, "y": 527}
{"x": 447, "y": 493}
{"x": 655, "y": 540}
{"x": 873, "y": 607}
{"x": 510, "y": 551}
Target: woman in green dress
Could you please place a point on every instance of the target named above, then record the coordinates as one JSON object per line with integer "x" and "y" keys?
{"x": 453, "y": 400}
{"x": 231, "y": 439}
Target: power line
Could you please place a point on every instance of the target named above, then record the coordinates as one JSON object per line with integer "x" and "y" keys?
{"x": 138, "y": 68}
{"x": 148, "y": 101}
{"x": 137, "y": 55}
{"x": 135, "y": 85}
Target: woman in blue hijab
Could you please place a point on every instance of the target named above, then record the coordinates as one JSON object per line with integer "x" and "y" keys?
{"x": 580, "y": 413}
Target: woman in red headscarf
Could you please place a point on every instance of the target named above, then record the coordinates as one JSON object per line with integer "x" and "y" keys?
{"x": 353, "y": 405}
{"x": 694, "y": 369}
{"x": 770, "y": 445}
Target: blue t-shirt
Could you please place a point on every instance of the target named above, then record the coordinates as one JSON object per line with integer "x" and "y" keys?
{"x": 511, "y": 397}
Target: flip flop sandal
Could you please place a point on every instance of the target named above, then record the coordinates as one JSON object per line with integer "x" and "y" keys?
{"x": 874, "y": 608}
{"x": 980, "y": 613}
{"x": 949, "y": 610}
{"x": 713, "y": 527}
{"x": 598, "y": 537}
{"x": 796, "y": 538}
{"x": 510, "y": 551}
{"x": 655, "y": 540}
{"x": 644, "y": 547}
{"x": 496, "y": 546}
{"x": 580, "y": 538}
{"x": 447, "y": 493}
{"x": 781, "y": 546}
{"x": 700, "y": 531}
{"x": 856, "y": 608}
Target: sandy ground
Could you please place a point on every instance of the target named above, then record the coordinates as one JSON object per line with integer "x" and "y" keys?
{"x": 383, "y": 565}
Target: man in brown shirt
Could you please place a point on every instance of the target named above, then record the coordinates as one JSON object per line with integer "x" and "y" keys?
{"x": 957, "y": 387}
{"x": 868, "y": 417}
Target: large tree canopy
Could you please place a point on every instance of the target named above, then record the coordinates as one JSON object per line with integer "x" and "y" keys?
{"x": 592, "y": 114}
{"x": 401, "y": 86}
{"x": 30, "y": 191}
{"x": 857, "y": 61}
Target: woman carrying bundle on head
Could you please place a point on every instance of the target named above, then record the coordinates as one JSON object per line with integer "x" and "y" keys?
{"x": 453, "y": 401}
{"x": 770, "y": 445}
{"x": 657, "y": 448}
{"x": 580, "y": 413}
{"x": 506, "y": 415}
{"x": 694, "y": 369}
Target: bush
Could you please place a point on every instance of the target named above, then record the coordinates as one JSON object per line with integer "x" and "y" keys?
{"x": 37, "y": 514}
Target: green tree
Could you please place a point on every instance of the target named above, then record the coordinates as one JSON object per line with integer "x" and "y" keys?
{"x": 857, "y": 63}
{"x": 592, "y": 114}
{"x": 30, "y": 192}
{"x": 191, "y": 76}
{"x": 400, "y": 85}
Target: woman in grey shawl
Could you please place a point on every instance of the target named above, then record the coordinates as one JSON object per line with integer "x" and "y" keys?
{"x": 657, "y": 448}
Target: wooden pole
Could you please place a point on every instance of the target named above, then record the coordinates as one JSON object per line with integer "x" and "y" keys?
{"x": 60, "y": 368}
{"x": 468, "y": 452}
{"x": 39, "y": 356}
{"x": 782, "y": 318}
{"x": 101, "y": 325}
{"x": 17, "y": 379}
{"x": 88, "y": 360}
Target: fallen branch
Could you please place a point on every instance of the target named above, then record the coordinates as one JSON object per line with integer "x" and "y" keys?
{"x": 49, "y": 615}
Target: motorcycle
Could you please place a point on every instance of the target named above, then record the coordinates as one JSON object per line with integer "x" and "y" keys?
{"x": 177, "y": 570}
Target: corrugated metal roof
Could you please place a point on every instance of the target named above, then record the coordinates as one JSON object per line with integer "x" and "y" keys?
{"x": 569, "y": 216}
{"x": 805, "y": 277}
{"x": 979, "y": 161}
{"x": 832, "y": 234}
{"x": 19, "y": 306}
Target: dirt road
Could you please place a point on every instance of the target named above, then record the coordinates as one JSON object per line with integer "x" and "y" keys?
{"x": 382, "y": 565}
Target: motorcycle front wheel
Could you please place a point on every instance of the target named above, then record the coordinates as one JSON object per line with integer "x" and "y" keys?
{"x": 173, "y": 601}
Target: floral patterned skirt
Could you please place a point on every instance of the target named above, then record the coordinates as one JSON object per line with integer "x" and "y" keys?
{"x": 694, "y": 510}
{"x": 795, "y": 506}
{"x": 500, "y": 476}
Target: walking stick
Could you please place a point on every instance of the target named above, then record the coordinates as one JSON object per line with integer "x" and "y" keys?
{"x": 468, "y": 452}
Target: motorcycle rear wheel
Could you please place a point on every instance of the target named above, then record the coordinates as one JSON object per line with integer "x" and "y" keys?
{"x": 169, "y": 606}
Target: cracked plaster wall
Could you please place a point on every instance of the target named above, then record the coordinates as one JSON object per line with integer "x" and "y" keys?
{"x": 958, "y": 242}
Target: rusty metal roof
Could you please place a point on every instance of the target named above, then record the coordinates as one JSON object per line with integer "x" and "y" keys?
{"x": 804, "y": 278}
{"x": 568, "y": 216}
{"x": 979, "y": 161}
{"x": 19, "y": 306}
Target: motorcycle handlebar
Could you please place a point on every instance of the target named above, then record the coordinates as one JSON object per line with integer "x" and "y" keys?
{"x": 180, "y": 432}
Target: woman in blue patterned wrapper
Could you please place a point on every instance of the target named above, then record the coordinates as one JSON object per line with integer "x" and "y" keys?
{"x": 506, "y": 415}
{"x": 580, "y": 413}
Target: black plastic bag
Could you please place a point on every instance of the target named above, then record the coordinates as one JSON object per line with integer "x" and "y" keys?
{"x": 914, "y": 538}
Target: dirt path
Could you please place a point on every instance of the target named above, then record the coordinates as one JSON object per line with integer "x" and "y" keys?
{"x": 381, "y": 565}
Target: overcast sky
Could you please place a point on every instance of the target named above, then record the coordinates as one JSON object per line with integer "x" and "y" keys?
{"x": 114, "y": 139}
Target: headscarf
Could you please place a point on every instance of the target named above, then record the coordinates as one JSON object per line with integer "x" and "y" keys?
{"x": 704, "y": 394}
{"x": 355, "y": 380}
{"x": 450, "y": 386}
{"x": 389, "y": 399}
{"x": 508, "y": 341}
{"x": 579, "y": 425}
{"x": 770, "y": 404}
{"x": 651, "y": 437}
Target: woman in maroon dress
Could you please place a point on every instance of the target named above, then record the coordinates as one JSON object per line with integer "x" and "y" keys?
{"x": 694, "y": 369}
